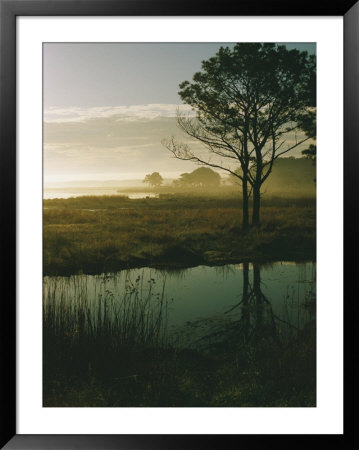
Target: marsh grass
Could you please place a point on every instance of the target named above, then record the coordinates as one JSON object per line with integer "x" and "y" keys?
{"x": 105, "y": 336}
{"x": 100, "y": 234}
{"x": 136, "y": 317}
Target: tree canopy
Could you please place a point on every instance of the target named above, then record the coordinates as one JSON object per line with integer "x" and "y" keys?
{"x": 154, "y": 179}
{"x": 203, "y": 177}
{"x": 308, "y": 124}
{"x": 248, "y": 102}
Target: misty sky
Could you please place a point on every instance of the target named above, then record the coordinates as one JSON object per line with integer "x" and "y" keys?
{"x": 108, "y": 106}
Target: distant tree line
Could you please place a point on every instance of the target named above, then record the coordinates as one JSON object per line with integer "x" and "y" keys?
{"x": 288, "y": 173}
{"x": 203, "y": 177}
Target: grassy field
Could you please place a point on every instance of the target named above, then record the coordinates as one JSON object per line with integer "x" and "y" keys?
{"x": 97, "y": 234}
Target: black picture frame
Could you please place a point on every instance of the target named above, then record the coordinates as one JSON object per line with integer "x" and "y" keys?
{"x": 9, "y": 10}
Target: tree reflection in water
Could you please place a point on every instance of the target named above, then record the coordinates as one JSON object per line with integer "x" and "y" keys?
{"x": 253, "y": 319}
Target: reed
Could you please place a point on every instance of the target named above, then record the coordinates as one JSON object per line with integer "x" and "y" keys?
{"x": 100, "y": 335}
{"x": 136, "y": 318}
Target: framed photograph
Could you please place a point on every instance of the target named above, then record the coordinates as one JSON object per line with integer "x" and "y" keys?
{"x": 174, "y": 233}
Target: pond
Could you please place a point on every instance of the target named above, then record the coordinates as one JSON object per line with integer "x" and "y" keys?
{"x": 199, "y": 305}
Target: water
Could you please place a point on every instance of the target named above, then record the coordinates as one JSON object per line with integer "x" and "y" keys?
{"x": 134, "y": 195}
{"x": 207, "y": 302}
{"x": 51, "y": 193}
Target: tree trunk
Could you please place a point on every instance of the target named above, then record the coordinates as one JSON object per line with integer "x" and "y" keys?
{"x": 256, "y": 204}
{"x": 258, "y": 297}
{"x": 245, "y": 207}
{"x": 257, "y": 283}
{"x": 245, "y": 297}
{"x": 245, "y": 283}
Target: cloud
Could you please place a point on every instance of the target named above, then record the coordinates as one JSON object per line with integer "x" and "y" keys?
{"x": 109, "y": 132}
{"x": 122, "y": 113}
{"x": 104, "y": 141}
{"x": 124, "y": 139}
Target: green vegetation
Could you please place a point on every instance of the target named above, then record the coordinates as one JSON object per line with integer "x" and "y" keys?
{"x": 117, "y": 352}
{"x": 102, "y": 234}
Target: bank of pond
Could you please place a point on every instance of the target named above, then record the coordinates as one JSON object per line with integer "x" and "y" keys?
{"x": 230, "y": 335}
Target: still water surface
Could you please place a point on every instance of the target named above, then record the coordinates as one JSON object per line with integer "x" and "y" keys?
{"x": 201, "y": 299}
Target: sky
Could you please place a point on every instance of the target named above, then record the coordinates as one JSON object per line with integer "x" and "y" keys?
{"x": 108, "y": 106}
